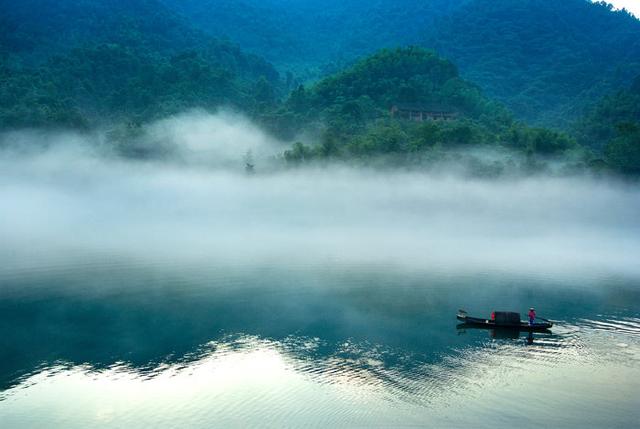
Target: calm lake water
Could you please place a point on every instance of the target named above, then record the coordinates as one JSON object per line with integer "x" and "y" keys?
{"x": 110, "y": 342}
{"x": 159, "y": 295}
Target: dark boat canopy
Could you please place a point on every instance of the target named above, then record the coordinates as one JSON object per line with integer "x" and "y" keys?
{"x": 507, "y": 318}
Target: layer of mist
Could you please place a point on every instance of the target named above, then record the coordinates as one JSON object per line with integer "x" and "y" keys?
{"x": 64, "y": 196}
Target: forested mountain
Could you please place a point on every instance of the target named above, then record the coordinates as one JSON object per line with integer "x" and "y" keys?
{"x": 33, "y": 30}
{"x": 76, "y": 63}
{"x": 545, "y": 59}
{"x": 613, "y": 129}
{"x": 314, "y": 37}
{"x": 372, "y": 86}
{"x": 496, "y": 64}
{"x": 352, "y": 110}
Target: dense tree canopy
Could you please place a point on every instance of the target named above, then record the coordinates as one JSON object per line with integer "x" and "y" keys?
{"x": 119, "y": 59}
{"x": 545, "y": 60}
{"x": 311, "y": 38}
{"x": 612, "y": 129}
{"x": 83, "y": 63}
{"x": 372, "y": 86}
{"x": 352, "y": 112}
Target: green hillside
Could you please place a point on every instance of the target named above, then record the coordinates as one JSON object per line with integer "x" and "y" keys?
{"x": 121, "y": 59}
{"x": 82, "y": 64}
{"x": 546, "y": 60}
{"x": 612, "y": 129}
{"x": 351, "y": 111}
{"x": 312, "y": 38}
{"x": 372, "y": 86}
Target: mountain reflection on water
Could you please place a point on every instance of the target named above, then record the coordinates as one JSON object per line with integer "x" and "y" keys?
{"x": 119, "y": 344}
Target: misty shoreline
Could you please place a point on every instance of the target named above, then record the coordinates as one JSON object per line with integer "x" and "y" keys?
{"x": 71, "y": 198}
{"x": 228, "y": 140}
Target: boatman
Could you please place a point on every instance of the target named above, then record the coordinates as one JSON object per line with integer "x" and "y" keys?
{"x": 532, "y": 316}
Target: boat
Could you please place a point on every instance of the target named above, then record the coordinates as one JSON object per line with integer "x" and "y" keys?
{"x": 505, "y": 320}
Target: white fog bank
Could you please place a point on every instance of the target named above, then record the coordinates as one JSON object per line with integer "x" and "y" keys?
{"x": 70, "y": 199}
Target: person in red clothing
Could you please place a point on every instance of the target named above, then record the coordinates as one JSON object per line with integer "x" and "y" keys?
{"x": 532, "y": 315}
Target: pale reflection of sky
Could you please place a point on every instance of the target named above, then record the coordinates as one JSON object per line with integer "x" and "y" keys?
{"x": 262, "y": 384}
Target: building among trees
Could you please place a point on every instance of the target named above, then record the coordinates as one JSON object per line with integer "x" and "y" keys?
{"x": 421, "y": 113}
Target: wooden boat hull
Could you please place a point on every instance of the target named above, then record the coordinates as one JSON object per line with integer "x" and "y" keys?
{"x": 475, "y": 322}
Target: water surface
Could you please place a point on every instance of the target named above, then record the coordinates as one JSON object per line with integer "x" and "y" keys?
{"x": 165, "y": 294}
{"x": 113, "y": 343}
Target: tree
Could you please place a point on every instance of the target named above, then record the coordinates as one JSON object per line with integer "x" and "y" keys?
{"x": 623, "y": 153}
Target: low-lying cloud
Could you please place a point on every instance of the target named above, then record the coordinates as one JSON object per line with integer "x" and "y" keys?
{"x": 224, "y": 139}
{"x": 67, "y": 197}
